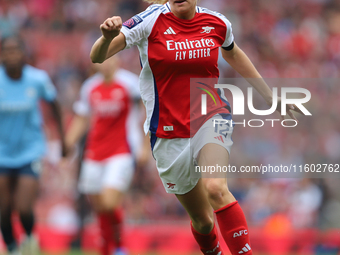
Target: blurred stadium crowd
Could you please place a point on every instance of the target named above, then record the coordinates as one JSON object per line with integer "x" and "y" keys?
{"x": 289, "y": 39}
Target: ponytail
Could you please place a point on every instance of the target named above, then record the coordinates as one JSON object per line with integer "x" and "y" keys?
{"x": 156, "y": 1}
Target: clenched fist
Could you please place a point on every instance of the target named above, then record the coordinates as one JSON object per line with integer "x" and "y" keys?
{"x": 111, "y": 27}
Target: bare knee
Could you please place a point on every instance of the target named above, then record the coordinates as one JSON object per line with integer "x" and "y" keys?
{"x": 5, "y": 210}
{"x": 5, "y": 204}
{"x": 216, "y": 189}
{"x": 5, "y": 196}
{"x": 108, "y": 205}
{"x": 102, "y": 205}
{"x": 110, "y": 199}
{"x": 218, "y": 193}
{"x": 202, "y": 223}
{"x": 24, "y": 209}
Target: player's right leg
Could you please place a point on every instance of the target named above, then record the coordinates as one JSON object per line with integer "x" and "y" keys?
{"x": 104, "y": 222}
{"x": 117, "y": 178}
{"x": 90, "y": 183}
{"x": 197, "y": 205}
{"x": 6, "y": 211}
{"x": 112, "y": 212}
{"x": 110, "y": 218}
{"x": 26, "y": 194}
{"x": 173, "y": 164}
{"x": 105, "y": 183}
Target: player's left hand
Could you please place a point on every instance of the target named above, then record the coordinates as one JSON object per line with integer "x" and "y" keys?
{"x": 142, "y": 158}
{"x": 289, "y": 109}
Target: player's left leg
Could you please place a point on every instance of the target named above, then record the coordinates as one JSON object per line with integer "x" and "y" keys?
{"x": 25, "y": 197}
{"x": 112, "y": 213}
{"x": 107, "y": 205}
{"x": 111, "y": 201}
{"x": 117, "y": 177}
{"x": 229, "y": 214}
{"x": 6, "y": 213}
{"x": 91, "y": 183}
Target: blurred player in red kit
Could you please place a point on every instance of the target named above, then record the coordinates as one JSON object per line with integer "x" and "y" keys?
{"x": 108, "y": 110}
{"x": 179, "y": 40}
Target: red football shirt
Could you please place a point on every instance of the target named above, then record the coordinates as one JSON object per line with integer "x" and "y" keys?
{"x": 114, "y": 123}
{"x": 110, "y": 105}
{"x": 172, "y": 51}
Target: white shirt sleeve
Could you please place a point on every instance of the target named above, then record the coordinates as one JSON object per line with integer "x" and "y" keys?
{"x": 82, "y": 106}
{"x": 131, "y": 81}
{"x": 138, "y": 27}
{"x": 133, "y": 125}
{"x": 229, "y": 37}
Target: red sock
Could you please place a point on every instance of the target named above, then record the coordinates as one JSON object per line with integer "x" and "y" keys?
{"x": 117, "y": 222}
{"x": 208, "y": 243}
{"x": 234, "y": 229}
{"x": 105, "y": 225}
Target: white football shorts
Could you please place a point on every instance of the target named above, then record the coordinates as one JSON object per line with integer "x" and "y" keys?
{"x": 176, "y": 158}
{"x": 115, "y": 172}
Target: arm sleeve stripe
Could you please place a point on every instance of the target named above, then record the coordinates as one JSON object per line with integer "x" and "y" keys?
{"x": 147, "y": 14}
{"x": 168, "y": 6}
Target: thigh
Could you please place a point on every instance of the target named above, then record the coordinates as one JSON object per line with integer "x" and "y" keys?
{"x": 91, "y": 175}
{"x": 175, "y": 165}
{"x": 118, "y": 174}
{"x": 215, "y": 184}
{"x": 105, "y": 201}
{"x": 33, "y": 169}
{"x": 95, "y": 202}
{"x": 213, "y": 156}
{"x": 5, "y": 191}
{"x": 212, "y": 143}
{"x": 111, "y": 199}
{"x": 26, "y": 192}
{"x": 117, "y": 177}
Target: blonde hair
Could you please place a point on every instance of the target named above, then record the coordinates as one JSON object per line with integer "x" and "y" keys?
{"x": 156, "y": 1}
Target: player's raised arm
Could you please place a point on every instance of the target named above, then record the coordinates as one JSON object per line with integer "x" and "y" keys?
{"x": 111, "y": 42}
{"x": 76, "y": 131}
{"x": 242, "y": 64}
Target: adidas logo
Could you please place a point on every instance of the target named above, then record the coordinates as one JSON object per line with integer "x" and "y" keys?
{"x": 245, "y": 249}
{"x": 170, "y": 31}
{"x": 220, "y": 138}
{"x": 213, "y": 250}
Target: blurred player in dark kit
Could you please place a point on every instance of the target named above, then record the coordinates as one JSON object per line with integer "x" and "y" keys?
{"x": 22, "y": 140}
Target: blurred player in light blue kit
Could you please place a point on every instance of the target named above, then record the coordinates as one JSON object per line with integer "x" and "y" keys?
{"x": 22, "y": 140}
